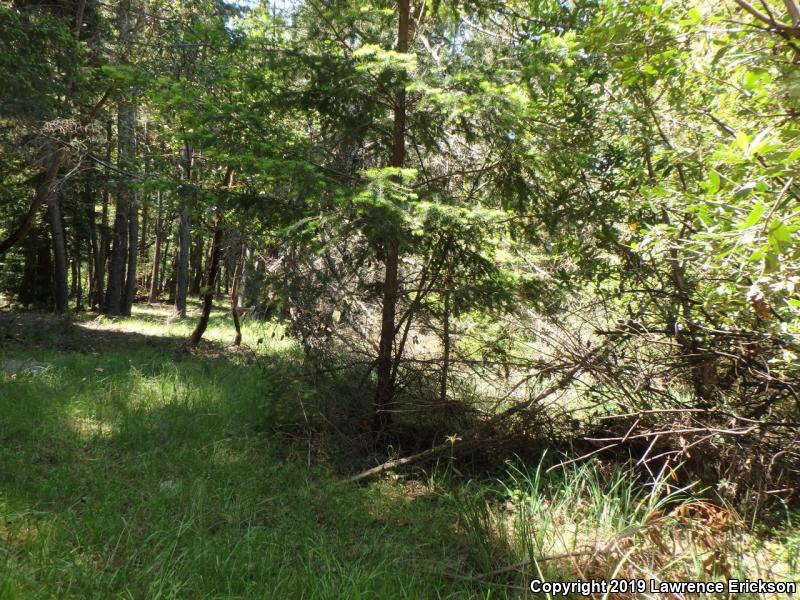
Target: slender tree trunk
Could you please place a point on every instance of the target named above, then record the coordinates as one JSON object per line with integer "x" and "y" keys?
{"x": 61, "y": 296}
{"x": 104, "y": 241}
{"x": 154, "y": 275}
{"x": 196, "y": 264}
{"x": 227, "y": 273}
{"x": 36, "y": 288}
{"x": 79, "y": 286}
{"x": 144, "y": 231}
{"x": 243, "y": 298}
{"x": 119, "y": 251}
{"x": 184, "y": 241}
{"x": 235, "y": 296}
{"x": 172, "y": 283}
{"x": 213, "y": 271}
{"x": 96, "y": 257}
{"x": 126, "y": 133}
{"x": 208, "y": 291}
{"x": 162, "y": 283}
{"x": 133, "y": 236}
{"x": 384, "y": 393}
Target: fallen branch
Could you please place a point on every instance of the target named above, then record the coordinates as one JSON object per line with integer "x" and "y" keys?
{"x": 472, "y": 441}
{"x": 427, "y": 455}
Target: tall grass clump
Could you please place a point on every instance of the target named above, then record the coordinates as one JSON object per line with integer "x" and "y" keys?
{"x": 596, "y": 521}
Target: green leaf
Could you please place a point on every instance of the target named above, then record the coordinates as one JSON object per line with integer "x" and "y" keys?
{"x": 695, "y": 16}
{"x": 753, "y": 217}
{"x": 752, "y": 80}
{"x": 743, "y": 141}
{"x": 758, "y": 144}
{"x": 713, "y": 182}
{"x": 771, "y": 262}
{"x": 793, "y": 156}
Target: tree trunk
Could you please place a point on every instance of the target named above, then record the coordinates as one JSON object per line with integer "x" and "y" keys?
{"x": 104, "y": 241}
{"x": 163, "y": 283}
{"x": 172, "y": 282}
{"x": 143, "y": 229}
{"x": 235, "y": 296}
{"x": 96, "y": 258}
{"x": 79, "y": 287}
{"x": 126, "y": 134}
{"x": 384, "y": 393}
{"x": 119, "y": 295}
{"x": 60, "y": 295}
{"x": 154, "y": 275}
{"x": 119, "y": 251}
{"x": 182, "y": 283}
{"x": 243, "y": 296}
{"x": 133, "y": 237}
{"x": 35, "y": 289}
{"x": 208, "y": 291}
{"x": 213, "y": 270}
{"x": 196, "y": 265}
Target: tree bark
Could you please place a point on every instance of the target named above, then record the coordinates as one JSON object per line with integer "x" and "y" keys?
{"x": 208, "y": 291}
{"x": 79, "y": 283}
{"x": 35, "y": 288}
{"x": 121, "y": 289}
{"x": 104, "y": 241}
{"x": 96, "y": 256}
{"x": 384, "y": 393}
{"x": 182, "y": 283}
{"x": 213, "y": 271}
{"x": 144, "y": 228}
{"x": 61, "y": 296}
{"x": 196, "y": 265}
{"x": 235, "y": 296}
{"x": 133, "y": 236}
{"x": 119, "y": 251}
{"x": 154, "y": 275}
{"x": 126, "y": 134}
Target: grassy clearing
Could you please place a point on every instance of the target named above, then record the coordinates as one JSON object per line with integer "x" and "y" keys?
{"x": 131, "y": 469}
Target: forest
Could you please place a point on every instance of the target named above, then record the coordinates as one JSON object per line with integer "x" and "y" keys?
{"x": 399, "y": 298}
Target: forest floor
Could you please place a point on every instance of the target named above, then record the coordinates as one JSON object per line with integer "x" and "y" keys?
{"x": 130, "y": 468}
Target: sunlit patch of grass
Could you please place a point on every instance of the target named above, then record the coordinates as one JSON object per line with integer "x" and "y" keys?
{"x": 160, "y": 321}
{"x": 132, "y": 469}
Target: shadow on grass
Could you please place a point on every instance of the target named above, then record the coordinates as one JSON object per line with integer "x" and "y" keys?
{"x": 129, "y": 468}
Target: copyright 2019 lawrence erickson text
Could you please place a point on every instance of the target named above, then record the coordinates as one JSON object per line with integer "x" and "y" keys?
{"x": 589, "y": 587}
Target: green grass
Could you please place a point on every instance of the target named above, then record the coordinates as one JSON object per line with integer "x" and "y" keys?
{"x": 587, "y": 522}
{"x": 129, "y": 469}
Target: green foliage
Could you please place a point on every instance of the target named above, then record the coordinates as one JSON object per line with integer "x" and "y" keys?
{"x": 40, "y": 61}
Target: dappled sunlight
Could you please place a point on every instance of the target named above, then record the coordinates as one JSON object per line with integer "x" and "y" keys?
{"x": 136, "y": 461}
{"x": 89, "y": 428}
